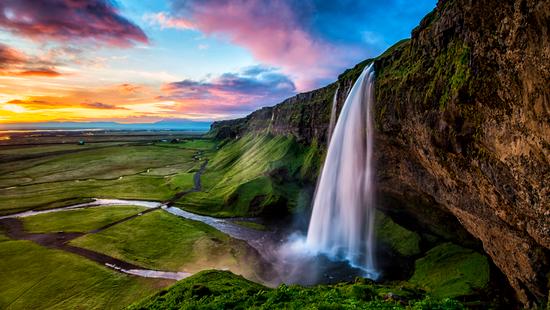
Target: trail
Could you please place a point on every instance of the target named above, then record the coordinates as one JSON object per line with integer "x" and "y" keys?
{"x": 14, "y": 229}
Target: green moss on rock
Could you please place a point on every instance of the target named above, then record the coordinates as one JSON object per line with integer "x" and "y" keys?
{"x": 449, "y": 270}
{"x": 401, "y": 240}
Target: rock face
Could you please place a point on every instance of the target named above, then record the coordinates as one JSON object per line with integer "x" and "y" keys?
{"x": 463, "y": 131}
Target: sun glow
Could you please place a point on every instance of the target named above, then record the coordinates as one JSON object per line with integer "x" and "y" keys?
{"x": 13, "y": 108}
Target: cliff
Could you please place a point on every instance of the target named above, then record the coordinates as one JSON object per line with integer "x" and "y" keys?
{"x": 463, "y": 131}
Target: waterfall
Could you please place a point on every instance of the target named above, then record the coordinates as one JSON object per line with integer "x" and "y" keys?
{"x": 342, "y": 222}
{"x": 333, "y": 115}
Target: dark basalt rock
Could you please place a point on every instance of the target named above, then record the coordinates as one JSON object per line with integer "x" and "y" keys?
{"x": 463, "y": 132}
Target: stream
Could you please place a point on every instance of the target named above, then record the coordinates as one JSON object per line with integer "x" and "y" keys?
{"x": 271, "y": 244}
{"x": 253, "y": 237}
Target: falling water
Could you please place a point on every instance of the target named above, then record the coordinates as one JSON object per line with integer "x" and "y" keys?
{"x": 342, "y": 222}
{"x": 333, "y": 114}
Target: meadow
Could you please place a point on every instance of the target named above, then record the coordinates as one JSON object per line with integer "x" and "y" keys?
{"x": 35, "y": 177}
{"x": 39, "y": 176}
{"x": 34, "y": 277}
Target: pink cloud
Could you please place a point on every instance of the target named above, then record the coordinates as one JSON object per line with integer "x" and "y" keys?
{"x": 271, "y": 32}
{"x": 16, "y": 63}
{"x": 229, "y": 93}
{"x": 166, "y": 21}
{"x": 69, "y": 20}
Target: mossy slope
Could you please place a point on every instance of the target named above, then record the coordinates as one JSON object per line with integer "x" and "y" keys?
{"x": 449, "y": 270}
{"x": 224, "y": 290}
{"x": 254, "y": 175}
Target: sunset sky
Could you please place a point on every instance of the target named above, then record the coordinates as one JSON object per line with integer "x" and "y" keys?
{"x": 143, "y": 61}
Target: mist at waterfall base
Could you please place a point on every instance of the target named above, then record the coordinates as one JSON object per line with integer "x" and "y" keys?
{"x": 340, "y": 243}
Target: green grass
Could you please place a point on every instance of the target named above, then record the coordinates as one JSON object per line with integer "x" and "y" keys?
{"x": 159, "y": 240}
{"x": 80, "y": 220}
{"x": 196, "y": 144}
{"x": 34, "y": 277}
{"x": 14, "y": 152}
{"x": 127, "y": 172}
{"x": 3, "y": 237}
{"x": 401, "y": 240}
{"x": 199, "y": 144}
{"x": 224, "y": 290}
{"x": 449, "y": 270}
{"x": 251, "y": 176}
{"x": 101, "y": 164}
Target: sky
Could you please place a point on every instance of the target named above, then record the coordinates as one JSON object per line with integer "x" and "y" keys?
{"x": 134, "y": 61}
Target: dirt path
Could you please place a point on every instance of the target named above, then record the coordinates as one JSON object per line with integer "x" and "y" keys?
{"x": 123, "y": 220}
{"x": 14, "y": 230}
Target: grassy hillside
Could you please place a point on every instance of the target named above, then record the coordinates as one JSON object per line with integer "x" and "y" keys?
{"x": 254, "y": 175}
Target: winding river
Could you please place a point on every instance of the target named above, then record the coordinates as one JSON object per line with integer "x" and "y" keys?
{"x": 253, "y": 237}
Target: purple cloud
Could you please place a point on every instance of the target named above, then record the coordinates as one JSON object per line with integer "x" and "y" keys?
{"x": 69, "y": 20}
{"x": 238, "y": 92}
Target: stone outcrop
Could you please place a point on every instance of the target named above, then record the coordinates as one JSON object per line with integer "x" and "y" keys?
{"x": 463, "y": 131}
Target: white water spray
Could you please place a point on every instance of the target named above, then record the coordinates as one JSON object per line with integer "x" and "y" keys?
{"x": 342, "y": 222}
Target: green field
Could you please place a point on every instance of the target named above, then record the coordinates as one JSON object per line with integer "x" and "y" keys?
{"x": 16, "y": 152}
{"x": 162, "y": 241}
{"x": 79, "y": 220}
{"x": 34, "y": 277}
{"x": 138, "y": 171}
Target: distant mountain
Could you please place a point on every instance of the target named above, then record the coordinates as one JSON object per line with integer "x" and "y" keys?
{"x": 168, "y": 124}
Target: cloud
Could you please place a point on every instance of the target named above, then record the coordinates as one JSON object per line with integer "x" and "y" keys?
{"x": 53, "y": 103}
{"x": 232, "y": 92}
{"x": 130, "y": 88}
{"x": 311, "y": 40}
{"x": 10, "y": 57}
{"x": 99, "y": 105}
{"x": 16, "y": 63}
{"x": 45, "y": 72}
{"x": 40, "y": 103}
{"x": 166, "y": 21}
{"x": 70, "y": 20}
